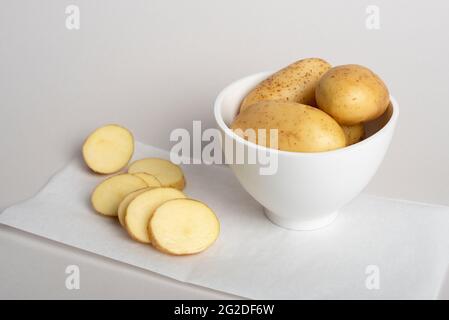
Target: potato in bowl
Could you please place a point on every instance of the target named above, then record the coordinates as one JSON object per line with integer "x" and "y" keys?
{"x": 294, "y": 83}
{"x": 305, "y": 190}
{"x": 352, "y": 94}
{"x": 348, "y": 96}
{"x": 300, "y": 128}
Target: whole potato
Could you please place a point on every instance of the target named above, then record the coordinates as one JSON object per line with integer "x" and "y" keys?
{"x": 353, "y": 133}
{"x": 352, "y": 94}
{"x": 295, "y": 83}
{"x": 301, "y": 128}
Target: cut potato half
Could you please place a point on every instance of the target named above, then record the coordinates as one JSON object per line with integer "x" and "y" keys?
{"x": 151, "y": 180}
{"x": 169, "y": 174}
{"x": 121, "y": 211}
{"x": 183, "y": 226}
{"x": 109, "y": 193}
{"x": 140, "y": 209}
{"x": 108, "y": 149}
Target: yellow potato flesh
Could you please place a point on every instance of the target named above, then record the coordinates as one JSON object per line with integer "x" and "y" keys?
{"x": 108, "y": 149}
{"x": 151, "y": 180}
{"x": 108, "y": 194}
{"x": 121, "y": 211}
{"x": 140, "y": 209}
{"x": 183, "y": 226}
{"x": 168, "y": 174}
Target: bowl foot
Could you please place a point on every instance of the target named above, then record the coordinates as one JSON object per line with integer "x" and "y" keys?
{"x": 298, "y": 224}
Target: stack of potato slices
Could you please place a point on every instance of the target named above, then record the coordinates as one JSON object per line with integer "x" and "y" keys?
{"x": 147, "y": 200}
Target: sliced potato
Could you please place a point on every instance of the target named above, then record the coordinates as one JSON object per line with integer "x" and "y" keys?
{"x": 108, "y": 149}
{"x": 142, "y": 207}
{"x": 183, "y": 226}
{"x": 121, "y": 211}
{"x": 169, "y": 174}
{"x": 109, "y": 193}
{"x": 151, "y": 180}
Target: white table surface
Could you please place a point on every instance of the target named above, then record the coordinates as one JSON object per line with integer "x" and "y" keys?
{"x": 154, "y": 66}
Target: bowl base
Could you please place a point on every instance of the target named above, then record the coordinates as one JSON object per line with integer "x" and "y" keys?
{"x": 298, "y": 224}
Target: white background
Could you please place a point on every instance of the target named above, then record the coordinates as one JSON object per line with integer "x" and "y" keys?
{"x": 156, "y": 65}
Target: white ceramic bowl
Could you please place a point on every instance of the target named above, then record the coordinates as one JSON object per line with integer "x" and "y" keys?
{"x": 308, "y": 189}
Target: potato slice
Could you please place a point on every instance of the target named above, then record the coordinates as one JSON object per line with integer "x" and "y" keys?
{"x": 121, "y": 211}
{"x": 142, "y": 207}
{"x": 109, "y": 193}
{"x": 151, "y": 180}
{"x": 183, "y": 226}
{"x": 169, "y": 174}
{"x": 108, "y": 149}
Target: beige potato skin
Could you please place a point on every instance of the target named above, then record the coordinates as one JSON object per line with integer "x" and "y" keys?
{"x": 301, "y": 128}
{"x": 161, "y": 248}
{"x": 352, "y": 94}
{"x": 354, "y": 133}
{"x": 89, "y": 148}
{"x": 295, "y": 83}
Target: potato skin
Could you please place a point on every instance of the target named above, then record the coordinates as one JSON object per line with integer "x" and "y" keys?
{"x": 354, "y": 133}
{"x": 295, "y": 83}
{"x": 301, "y": 128}
{"x": 352, "y": 94}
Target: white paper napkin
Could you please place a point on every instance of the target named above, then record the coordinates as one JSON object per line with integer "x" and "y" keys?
{"x": 376, "y": 249}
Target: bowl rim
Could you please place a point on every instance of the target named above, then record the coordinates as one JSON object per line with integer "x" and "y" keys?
{"x": 220, "y": 122}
